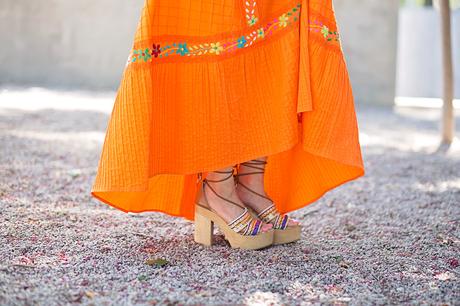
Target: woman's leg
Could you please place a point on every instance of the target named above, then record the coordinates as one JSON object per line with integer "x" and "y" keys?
{"x": 256, "y": 183}
{"x": 225, "y": 189}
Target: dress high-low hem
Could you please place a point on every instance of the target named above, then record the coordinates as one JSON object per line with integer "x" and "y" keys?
{"x": 213, "y": 83}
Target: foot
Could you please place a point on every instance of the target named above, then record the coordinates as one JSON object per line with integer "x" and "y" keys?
{"x": 255, "y": 181}
{"x": 225, "y": 189}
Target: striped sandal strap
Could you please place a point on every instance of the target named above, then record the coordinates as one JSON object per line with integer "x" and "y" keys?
{"x": 245, "y": 224}
{"x": 271, "y": 215}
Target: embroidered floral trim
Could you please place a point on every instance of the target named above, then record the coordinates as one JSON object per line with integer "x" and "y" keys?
{"x": 318, "y": 27}
{"x": 250, "y": 8}
{"x": 218, "y": 47}
{"x": 183, "y": 49}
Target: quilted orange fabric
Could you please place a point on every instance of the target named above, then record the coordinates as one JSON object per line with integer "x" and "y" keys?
{"x": 213, "y": 83}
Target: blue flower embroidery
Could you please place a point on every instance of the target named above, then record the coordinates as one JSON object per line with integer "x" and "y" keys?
{"x": 241, "y": 42}
{"x": 182, "y": 49}
{"x": 135, "y": 55}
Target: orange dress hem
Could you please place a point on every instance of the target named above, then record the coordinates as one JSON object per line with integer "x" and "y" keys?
{"x": 226, "y": 88}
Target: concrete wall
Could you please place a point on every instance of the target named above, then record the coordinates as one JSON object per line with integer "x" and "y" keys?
{"x": 84, "y": 44}
{"x": 369, "y": 31}
{"x": 62, "y": 43}
{"x": 419, "y": 71}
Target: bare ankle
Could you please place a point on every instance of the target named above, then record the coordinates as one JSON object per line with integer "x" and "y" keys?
{"x": 254, "y": 166}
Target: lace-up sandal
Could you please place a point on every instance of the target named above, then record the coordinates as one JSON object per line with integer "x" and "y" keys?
{"x": 243, "y": 232}
{"x": 283, "y": 233}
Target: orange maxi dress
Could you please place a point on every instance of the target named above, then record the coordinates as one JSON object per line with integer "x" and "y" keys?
{"x": 212, "y": 83}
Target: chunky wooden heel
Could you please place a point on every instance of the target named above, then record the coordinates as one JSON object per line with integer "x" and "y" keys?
{"x": 283, "y": 233}
{"x": 244, "y": 232}
{"x": 204, "y": 230}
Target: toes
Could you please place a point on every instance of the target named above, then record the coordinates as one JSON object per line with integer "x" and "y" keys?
{"x": 266, "y": 227}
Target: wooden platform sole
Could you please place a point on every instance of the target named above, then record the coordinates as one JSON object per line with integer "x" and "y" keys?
{"x": 288, "y": 235}
{"x": 204, "y": 232}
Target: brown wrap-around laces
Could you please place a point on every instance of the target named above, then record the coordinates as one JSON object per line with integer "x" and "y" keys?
{"x": 269, "y": 214}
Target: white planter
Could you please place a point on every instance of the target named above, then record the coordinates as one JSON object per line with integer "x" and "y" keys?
{"x": 419, "y": 59}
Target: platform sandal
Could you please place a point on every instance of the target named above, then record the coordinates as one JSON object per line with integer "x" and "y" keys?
{"x": 282, "y": 232}
{"x": 244, "y": 232}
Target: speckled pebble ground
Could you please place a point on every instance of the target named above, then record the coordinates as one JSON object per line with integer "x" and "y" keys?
{"x": 391, "y": 237}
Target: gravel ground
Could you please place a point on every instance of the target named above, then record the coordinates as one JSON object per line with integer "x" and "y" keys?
{"x": 391, "y": 237}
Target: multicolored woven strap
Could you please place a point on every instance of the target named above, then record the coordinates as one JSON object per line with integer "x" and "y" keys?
{"x": 245, "y": 224}
{"x": 271, "y": 215}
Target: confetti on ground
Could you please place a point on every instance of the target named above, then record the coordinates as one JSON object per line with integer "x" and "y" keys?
{"x": 391, "y": 237}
